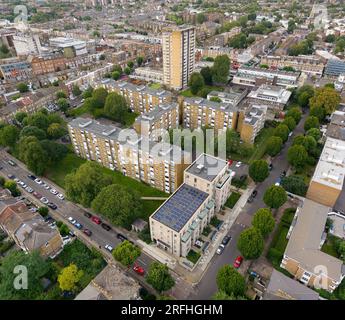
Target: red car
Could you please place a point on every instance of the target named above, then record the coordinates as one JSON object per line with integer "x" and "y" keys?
{"x": 87, "y": 232}
{"x": 139, "y": 270}
{"x": 238, "y": 262}
{"x": 96, "y": 220}
{"x": 37, "y": 195}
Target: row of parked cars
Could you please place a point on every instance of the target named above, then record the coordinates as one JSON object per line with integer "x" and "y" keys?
{"x": 221, "y": 248}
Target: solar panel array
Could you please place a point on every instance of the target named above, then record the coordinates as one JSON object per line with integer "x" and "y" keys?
{"x": 181, "y": 206}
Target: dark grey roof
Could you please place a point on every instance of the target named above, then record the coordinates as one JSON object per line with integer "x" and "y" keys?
{"x": 335, "y": 67}
{"x": 180, "y": 207}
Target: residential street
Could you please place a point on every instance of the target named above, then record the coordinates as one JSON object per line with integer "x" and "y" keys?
{"x": 207, "y": 286}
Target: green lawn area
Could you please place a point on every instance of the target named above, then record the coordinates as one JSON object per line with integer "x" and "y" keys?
{"x": 330, "y": 245}
{"x": 77, "y": 112}
{"x": 155, "y": 86}
{"x": 279, "y": 241}
{"x": 234, "y": 197}
{"x": 260, "y": 144}
{"x": 193, "y": 256}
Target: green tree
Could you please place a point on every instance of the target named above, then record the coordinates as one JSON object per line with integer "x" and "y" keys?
{"x": 126, "y": 253}
{"x": 220, "y": 70}
{"x": 39, "y": 120}
{"x": 311, "y": 122}
{"x": 304, "y": 94}
{"x": 206, "y": 73}
{"x": 63, "y": 104}
{"x": 116, "y": 107}
{"x": 33, "y": 131}
{"x": 12, "y": 187}
{"x": 9, "y": 135}
{"x": 140, "y": 60}
{"x": 159, "y": 277}
{"x": 326, "y": 97}
{"x": 290, "y": 123}
{"x": 117, "y": 68}
{"x": 116, "y": 75}
{"x": 250, "y": 243}
{"x": 221, "y": 295}
{"x": 232, "y": 141}
{"x": 295, "y": 185}
{"x": 61, "y": 94}
{"x": 318, "y": 112}
{"x": 282, "y": 131}
{"x": 43, "y": 211}
{"x": 83, "y": 185}
{"x": 69, "y": 277}
{"x": 274, "y": 145}
{"x": 196, "y": 82}
{"x": 55, "y": 151}
{"x": 99, "y": 96}
{"x": 76, "y": 91}
{"x": 230, "y": 281}
{"x": 128, "y": 70}
{"x": 258, "y": 170}
{"x": 35, "y": 157}
{"x": 22, "y": 87}
{"x": 56, "y": 130}
{"x": 297, "y": 156}
{"x": 87, "y": 93}
{"x": 130, "y": 64}
{"x": 295, "y": 113}
{"x": 200, "y": 18}
{"x": 291, "y": 26}
{"x": 37, "y": 268}
{"x": 315, "y": 133}
{"x": 238, "y": 41}
{"x": 275, "y": 197}
{"x": 118, "y": 203}
{"x": 19, "y": 116}
{"x": 263, "y": 221}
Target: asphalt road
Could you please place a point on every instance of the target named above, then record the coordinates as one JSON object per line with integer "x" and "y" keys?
{"x": 207, "y": 286}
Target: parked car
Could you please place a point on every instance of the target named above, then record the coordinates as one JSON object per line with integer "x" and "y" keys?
{"x": 105, "y": 227}
{"x": 254, "y": 193}
{"x": 88, "y": 232}
{"x": 30, "y": 190}
{"x": 238, "y": 262}
{"x": 121, "y": 237}
{"x": 78, "y": 226}
{"x": 139, "y": 270}
{"x": 38, "y": 181}
{"x": 278, "y": 182}
{"x": 109, "y": 247}
{"x": 283, "y": 174}
{"x": 72, "y": 220}
{"x": 220, "y": 249}
{"x": 270, "y": 166}
{"x": 11, "y": 163}
{"x": 44, "y": 200}
{"x": 250, "y": 199}
{"x": 32, "y": 177}
{"x": 226, "y": 240}
{"x": 87, "y": 215}
{"x": 45, "y": 186}
{"x": 60, "y": 196}
{"x": 238, "y": 164}
{"x": 37, "y": 195}
{"x": 96, "y": 220}
{"x": 52, "y": 205}
{"x": 11, "y": 176}
{"x": 54, "y": 192}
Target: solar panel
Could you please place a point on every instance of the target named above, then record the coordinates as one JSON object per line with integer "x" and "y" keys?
{"x": 180, "y": 207}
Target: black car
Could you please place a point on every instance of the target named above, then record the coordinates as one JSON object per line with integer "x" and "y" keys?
{"x": 226, "y": 240}
{"x": 1, "y": 167}
{"x": 87, "y": 215}
{"x": 121, "y": 237}
{"x": 254, "y": 193}
{"x": 48, "y": 218}
{"x": 270, "y": 166}
{"x": 32, "y": 177}
{"x": 250, "y": 199}
{"x": 106, "y": 227}
{"x": 283, "y": 174}
{"x": 52, "y": 205}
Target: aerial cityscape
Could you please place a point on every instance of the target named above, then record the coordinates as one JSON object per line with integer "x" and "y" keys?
{"x": 172, "y": 150}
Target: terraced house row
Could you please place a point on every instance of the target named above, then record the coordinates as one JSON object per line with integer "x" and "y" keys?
{"x": 160, "y": 165}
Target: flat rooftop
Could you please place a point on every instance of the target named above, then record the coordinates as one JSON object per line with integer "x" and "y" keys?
{"x": 305, "y": 240}
{"x": 336, "y": 129}
{"x": 207, "y": 167}
{"x": 180, "y": 207}
{"x": 201, "y": 102}
{"x": 157, "y": 112}
{"x": 330, "y": 169}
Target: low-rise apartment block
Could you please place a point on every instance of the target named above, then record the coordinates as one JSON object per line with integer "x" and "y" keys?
{"x": 148, "y": 74}
{"x": 328, "y": 180}
{"x": 29, "y": 230}
{"x": 303, "y": 257}
{"x": 311, "y": 65}
{"x": 47, "y": 64}
{"x": 179, "y": 221}
{"x": 276, "y": 98}
{"x": 156, "y": 122}
{"x": 199, "y": 112}
{"x": 12, "y": 70}
{"x": 252, "y": 77}
{"x": 336, "y": 128}
{"x": 141, "y": 99}
{"x": 251, "y": 121}
{"x": 160, "y": 165}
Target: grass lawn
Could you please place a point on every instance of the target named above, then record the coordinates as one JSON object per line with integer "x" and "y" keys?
{"x": 207, "y": 230}
{"x": 77, "y": 112}
{"x": 155, "y": 86}
{"x": 330, "y": 245}
{"x": 234, "y": 197}
{"x": 260, "y": 144}
{"x": 193, "y": 256}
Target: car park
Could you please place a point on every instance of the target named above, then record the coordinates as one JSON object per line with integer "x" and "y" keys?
{"x": 238, "y": 262}
{"x": 226, "y": 240}
{"x": 87, "y": 232}
{"x": 105, "y": 227}
{"x": 96, "y": 220}
{"x": 87, "y": 215}
{"x": 109, "y": 247}
{"x": 121, "y": 237}
{"x": 220, "y": 249}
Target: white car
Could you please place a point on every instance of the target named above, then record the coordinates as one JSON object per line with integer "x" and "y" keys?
{"x": 220, "y": 249}
{"x": 30, "y": 190}
{"x": 66, "y": 240}
{"x": 60, "y": 196}
{"x": 45, "y": 186}
{"x": 53, "y": 191}
{"x": 238, "y": 164}
{"x": 72, "y": 220}
{"x": 109, "y": 247}
{"x": 38, "y": 181}
{"x": 16, "y": 179}
{"x": 44, "y": 200}
{"x": 21, "y": 183}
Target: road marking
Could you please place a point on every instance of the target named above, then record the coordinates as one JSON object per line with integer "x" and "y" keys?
{"x": 142, "y": 262}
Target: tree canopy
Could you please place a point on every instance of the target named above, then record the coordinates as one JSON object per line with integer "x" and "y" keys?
{"x": 274, "y": 146}
{"x": 126, "y": 253}
{"x": 230, "y": 281}
{"x": 275, "y": 197}
{"x": 258, "y": 170}
{"x": 221, "y": 68}
{"x": 250, "y": 243}
{"x": 69, "y": 277}
{"x": 263, "y": 221}
{"x": 159, "y": 277}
